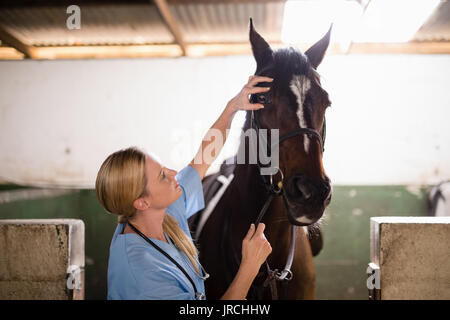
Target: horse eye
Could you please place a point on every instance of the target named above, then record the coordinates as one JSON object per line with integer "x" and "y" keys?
{"x": 262, "y": 98}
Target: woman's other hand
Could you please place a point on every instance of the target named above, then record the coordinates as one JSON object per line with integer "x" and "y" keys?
{"x": 255, "y": 248}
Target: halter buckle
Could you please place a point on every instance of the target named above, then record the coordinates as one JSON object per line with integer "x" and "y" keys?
{"x": 276, "y": 188}
{"x": 286, "y": 275}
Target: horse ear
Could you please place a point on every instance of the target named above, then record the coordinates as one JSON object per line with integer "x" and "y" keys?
{"x": 261, "y": 50}
{"x": 316, "y": 53}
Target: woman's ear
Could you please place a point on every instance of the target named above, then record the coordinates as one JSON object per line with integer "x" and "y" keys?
{"x": 141, "y": 204}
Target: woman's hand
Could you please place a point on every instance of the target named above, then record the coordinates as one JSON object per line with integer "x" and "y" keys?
{"x": 255, "y": 248}
{"x": 241, "y": 100}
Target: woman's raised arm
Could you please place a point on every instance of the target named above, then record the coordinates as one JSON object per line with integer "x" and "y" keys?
{"x": 216, "y": 136}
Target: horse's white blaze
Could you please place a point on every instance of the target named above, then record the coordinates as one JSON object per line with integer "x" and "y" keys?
{"x": 300, "y": 85}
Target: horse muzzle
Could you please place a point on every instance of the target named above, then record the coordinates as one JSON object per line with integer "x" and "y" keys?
{"x": 306, "y": 199}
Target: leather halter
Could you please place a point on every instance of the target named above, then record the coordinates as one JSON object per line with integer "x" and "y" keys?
{"x": 277, "y": 189}
{"x": 265, "y": 99}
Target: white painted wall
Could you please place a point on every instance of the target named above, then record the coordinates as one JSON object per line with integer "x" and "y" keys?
{"x": 389, "y": 122}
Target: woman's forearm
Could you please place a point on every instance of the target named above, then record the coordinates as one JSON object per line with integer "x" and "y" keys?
{"x": 213, "y": 141}
{"x": 220, "y": 127}
{"x": 241, "y": 283}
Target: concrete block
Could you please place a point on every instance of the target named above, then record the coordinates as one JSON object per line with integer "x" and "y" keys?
{"x": 42, "y": 259}
{"x": 413, "y": 254}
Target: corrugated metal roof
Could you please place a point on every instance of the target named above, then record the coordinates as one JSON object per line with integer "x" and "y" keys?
{"x": 139, "y": 22}
{"x": 100, "y": 25}
{"x": 228, "y": 22}
{"x": 124, "y": 24}
{"x": 437, "y": 27}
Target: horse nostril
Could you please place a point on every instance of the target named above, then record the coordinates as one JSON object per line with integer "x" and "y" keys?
{"x": 302, "y": 190}
{"x": 305, "y": 193}
{"x": 299, "y": 189}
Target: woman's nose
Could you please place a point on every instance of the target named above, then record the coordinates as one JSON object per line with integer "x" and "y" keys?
{"x": 173, "y": 173}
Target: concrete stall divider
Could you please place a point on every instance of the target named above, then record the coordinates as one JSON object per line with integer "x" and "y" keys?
{"x": 42, "y": 259}
{"x": 409, "y": 258}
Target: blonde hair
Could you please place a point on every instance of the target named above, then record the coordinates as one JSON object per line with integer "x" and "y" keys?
{"x": 121, "y": 180}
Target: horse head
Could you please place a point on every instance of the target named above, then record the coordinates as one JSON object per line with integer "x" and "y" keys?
{"x": 297, "y": 103}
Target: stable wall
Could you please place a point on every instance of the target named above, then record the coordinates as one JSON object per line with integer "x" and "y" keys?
{"x": 60, "y": 119}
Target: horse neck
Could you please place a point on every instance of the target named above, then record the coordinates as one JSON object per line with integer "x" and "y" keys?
{"x": 251, "y": 191}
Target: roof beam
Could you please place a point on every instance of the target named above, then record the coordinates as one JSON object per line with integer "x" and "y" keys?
{"x": 9, "y": 53}
{"x": 9, "y": 39}
{"x": 171, "y": 23}
{"x": 106, "y": 52}
{"x": 214, "y": 49}
{"x": 401, "y": 48}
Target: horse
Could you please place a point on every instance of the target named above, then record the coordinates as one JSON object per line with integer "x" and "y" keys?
{"x": 292, "y": 203}
{"x": 438, "y": 204}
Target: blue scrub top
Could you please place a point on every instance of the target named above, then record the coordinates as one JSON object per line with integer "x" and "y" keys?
{"x": 137, "y": 271}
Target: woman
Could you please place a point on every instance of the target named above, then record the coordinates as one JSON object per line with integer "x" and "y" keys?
{"x": 152, "y": 255}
